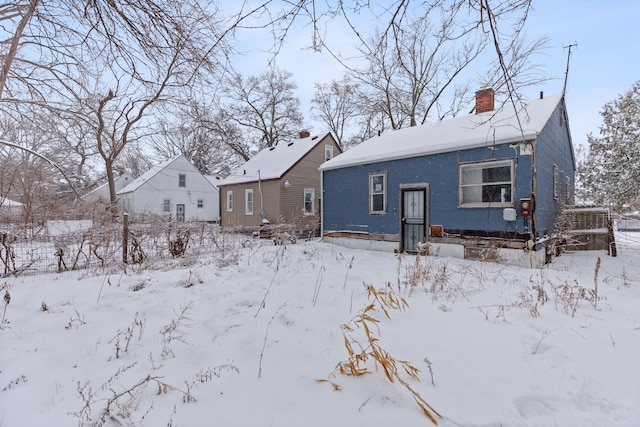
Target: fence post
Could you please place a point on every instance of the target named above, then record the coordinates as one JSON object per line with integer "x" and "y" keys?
{"x": 125, "y": 236}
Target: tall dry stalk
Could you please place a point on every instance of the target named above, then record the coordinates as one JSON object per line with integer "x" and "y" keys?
{"x": 371, "y": 348}
{"x": 595, "y": 283}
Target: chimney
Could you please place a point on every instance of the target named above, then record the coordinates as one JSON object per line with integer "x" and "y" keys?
{"x": 484, "y": 100}
{"x": 304, "y": 134}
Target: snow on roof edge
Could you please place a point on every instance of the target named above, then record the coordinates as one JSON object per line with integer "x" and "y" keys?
{"x": 407, "y": 154}
{"x": 262, "y": 162}
{"x": 142, "y": 179}
{"x": 458, "y": 133}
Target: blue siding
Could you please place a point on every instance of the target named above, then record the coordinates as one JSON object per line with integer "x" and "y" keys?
{"x": 553, "y": 146}
{"x": 345, "y": 198}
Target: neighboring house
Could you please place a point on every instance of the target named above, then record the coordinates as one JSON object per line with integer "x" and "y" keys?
{"x": 101, "y": 194}
{"x": 174, "y": 188}
{"x": 10, "y": 208}
{"x": 468, "y": 186}
{"x": 280, "y": 184}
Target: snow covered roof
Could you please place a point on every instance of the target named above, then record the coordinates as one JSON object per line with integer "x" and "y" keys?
{"x": 274, "y": 162}
{"x": 459, "y": 133}
{"x": 139, "y": 181}
{"x": 8, "y": 203}
{"x": 214, "y": 180}
{"x": 120, "y": 182}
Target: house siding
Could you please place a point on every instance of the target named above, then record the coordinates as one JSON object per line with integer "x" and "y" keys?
{"x": 553, "y": 147}
{"x": 304, "y": 175}
{"x": 149, "y": 197}
{"x": 280, "y": 204}
{"x": 349, "y": 187}
{"x": 265, "y": 197}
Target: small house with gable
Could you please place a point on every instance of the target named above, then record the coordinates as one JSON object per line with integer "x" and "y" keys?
{"x": 10, "y": 209}
{"x": 279, "y": 185}
{"x": 173, "y": 188}
{"x": 100, "y": 195}
{"x": 485, "y": 185}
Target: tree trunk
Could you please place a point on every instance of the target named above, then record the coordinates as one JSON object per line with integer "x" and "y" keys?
{"x": 113, "y": 201}
{"x": 15, "y": 41}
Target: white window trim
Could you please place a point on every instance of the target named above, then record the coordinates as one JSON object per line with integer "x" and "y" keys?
{"x": 229, "y": 200}
{"x": 166, "y": 203}
{"x": 313, "y": 201}
{"x": 200, "y": 203}
{"x": 182, "y": 183}
{"x": 248, "y": 211}
{"x": 479, "y": 165}
{"x": 384, "y": 192}
{"x": 328, "y": 148}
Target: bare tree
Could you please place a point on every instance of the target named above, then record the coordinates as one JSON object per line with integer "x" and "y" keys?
{"x": 513, "y": 67}
{"x": 264, "y": 107}
{"x": 416, "y": 60}
{"x": 231, "y": 135}
{"x": 106, "y": 67}
{"x": 28, "y": 178}
{"x": 372, "y": 120}
{"x": 133, "y": 160}
{"x": 200, "y": 137}
{"x": 108, "y": 70}
{"x": 21, "y": 14}
{"x": 118, "y": 115}
{"x": 337, "y": 105}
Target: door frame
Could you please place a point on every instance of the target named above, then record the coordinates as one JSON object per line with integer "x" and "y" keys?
{"x": 412, "y": 187}
{"x": 184, "y": 212}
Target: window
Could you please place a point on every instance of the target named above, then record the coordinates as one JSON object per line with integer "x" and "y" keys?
{"x": 200, "y": 203}
{"x": 555, "y": 182}
{"x": 568, "y": 192}
{"x": 377, "y": 192}
{"x": 248, "y": 202}
{"x": 182, "y": 180}
{"x": 229, "y": 201}
{"x": 328, "y": 152}
{"x": 486, "y": 183}
{"x": 309, "y": 203}
{"x": 166, "y": 205}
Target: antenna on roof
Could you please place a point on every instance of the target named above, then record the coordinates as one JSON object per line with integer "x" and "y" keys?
{"x": 566, "y": 74}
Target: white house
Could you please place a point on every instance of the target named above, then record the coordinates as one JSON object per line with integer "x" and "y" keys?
{"x": 101, "y": 193}
{"x": 10, "y": 208}
{"x": 174, "y": 187}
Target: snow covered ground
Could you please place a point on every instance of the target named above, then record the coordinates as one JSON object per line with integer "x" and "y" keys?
{"x": 248, "y": 336}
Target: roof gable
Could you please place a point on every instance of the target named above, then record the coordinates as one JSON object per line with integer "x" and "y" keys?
{"x": 459, "y": 133}
{"x": 179, "y": 161}
{"x": 274, "y": 162}
{"x": 120, "y": 182}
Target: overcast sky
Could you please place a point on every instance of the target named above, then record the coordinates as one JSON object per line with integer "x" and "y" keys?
{"x": 604, "y": 63}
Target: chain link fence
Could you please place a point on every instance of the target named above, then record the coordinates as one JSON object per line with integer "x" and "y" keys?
{"x": 29, "y": 250}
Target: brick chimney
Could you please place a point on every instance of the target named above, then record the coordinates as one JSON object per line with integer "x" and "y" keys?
{"x": 484, "y": 100}
{"x": 304, "y": 134}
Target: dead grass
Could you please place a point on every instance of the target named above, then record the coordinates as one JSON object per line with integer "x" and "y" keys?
{"x": 366, "y": 348}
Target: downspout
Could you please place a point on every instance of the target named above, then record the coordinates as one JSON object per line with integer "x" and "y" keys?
{"x": 321, "y": 204}
{"x": 262, "y": 218}
{"x": 532, "y": 228}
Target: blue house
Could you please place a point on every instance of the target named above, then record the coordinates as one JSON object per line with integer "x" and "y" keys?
{"x": 484, "y": 185}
